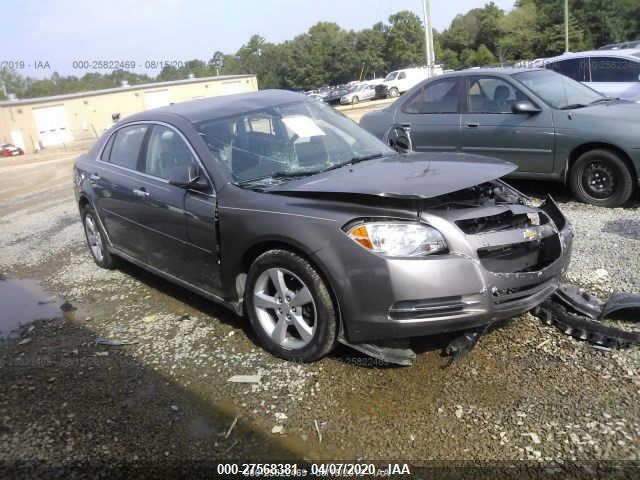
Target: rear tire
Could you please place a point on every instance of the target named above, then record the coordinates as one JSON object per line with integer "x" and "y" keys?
{"x": 96, "y": 239}
{"x": 290, "y": 307}
{"x": 600, "y": 177}
{"x": 393, "y": 93}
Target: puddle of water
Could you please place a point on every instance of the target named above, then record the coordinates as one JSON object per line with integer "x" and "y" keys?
{"x": 22, "y": 301}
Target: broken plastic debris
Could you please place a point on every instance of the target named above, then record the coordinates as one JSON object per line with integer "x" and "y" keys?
{"x": 245, "y": 379}
{"x": 24, "y": 341}
{"x": 281, "y": 416}
{"x": 277, "y": 429}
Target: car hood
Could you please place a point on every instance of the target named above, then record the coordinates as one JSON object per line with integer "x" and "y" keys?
{"x": 416, "y": 175}
{"x": 624, "y": 111}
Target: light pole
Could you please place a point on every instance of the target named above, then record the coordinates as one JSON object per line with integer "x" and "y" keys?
{"x": 566, "y": 26}
{"x": 428, "y": 36}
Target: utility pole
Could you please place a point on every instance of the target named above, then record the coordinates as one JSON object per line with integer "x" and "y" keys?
{"x": 566, "y": 26}
{"x": 428, "y": 36}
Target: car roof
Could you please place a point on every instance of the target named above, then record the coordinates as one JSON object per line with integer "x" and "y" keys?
{"x": 221, "y": 106}
{"x": 629, "y": 53}
{"x": 489, "y": 71}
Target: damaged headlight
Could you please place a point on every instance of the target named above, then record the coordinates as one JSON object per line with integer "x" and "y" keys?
{"x": 398, "y": 239}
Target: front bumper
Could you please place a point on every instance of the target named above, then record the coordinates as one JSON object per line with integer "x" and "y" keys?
{"x": 401, "y": 298}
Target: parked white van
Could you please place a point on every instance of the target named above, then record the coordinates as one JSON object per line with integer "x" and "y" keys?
{"x": 399, "y": 81}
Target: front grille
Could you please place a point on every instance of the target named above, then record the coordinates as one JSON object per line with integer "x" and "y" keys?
{"x": 521, "y": 257}
{"x": 506, "y": 296}
{"x": 381, "y": 90}
{"x": 501, "y": 221}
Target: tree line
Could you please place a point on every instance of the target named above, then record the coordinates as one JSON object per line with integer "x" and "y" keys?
{"x": 328, "y": 55}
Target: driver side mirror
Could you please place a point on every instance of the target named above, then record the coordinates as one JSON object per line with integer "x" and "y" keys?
{"x": 525, "y": 106}
{"x": 188, "y": 176}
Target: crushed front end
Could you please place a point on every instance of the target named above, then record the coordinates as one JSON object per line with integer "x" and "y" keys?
{"x": 504, "y": 257}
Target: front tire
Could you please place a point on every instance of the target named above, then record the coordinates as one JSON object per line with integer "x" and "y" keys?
{"x": 290, "y": 307}
{"x": 96, "y": 239}
{"x": 393, "y": 93}
{"x": 601, "y": 178}
{"x": 355, "y": 101}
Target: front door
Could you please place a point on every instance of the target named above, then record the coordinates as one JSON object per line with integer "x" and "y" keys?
{"x": 489, "y": 127}
{"x": 179, "y": 223}
{"x": 432, "y": 114}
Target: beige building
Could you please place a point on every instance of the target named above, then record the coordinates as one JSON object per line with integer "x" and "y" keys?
{"x": 36, "y": 123}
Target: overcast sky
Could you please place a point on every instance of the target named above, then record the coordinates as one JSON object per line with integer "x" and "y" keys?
{"x": 61, "y": 31}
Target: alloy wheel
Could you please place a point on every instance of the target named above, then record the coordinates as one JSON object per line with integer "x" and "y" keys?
{"x": 94, "y": 239}
{"x": 285, "y": 308}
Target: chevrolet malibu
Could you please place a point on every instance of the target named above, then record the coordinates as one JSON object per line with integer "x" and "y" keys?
{"x": 285, "y": 211}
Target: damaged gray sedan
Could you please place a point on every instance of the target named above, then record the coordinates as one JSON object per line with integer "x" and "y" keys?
{"x": 289, "y": 213}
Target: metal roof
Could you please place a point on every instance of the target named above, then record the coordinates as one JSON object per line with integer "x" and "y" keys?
{"x": 222, "y": 106}
{"x": 629, "y": 53}
{"x": 142, "y": 86}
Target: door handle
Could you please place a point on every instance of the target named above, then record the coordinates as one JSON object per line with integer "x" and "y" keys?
{"x": 94, "y": 177}
{"x": 473, "y": 125}
{"x": 141, "y": 192}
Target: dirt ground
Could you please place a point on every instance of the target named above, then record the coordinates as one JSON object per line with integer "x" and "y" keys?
{"x": 527, "y": 393}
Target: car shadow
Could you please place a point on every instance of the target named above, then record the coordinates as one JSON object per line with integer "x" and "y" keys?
{"x": 185, "y": 296}
{"x": 71, "y": 411}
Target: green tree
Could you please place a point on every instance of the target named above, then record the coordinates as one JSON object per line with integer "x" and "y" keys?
{"x": 484, "y": 57}
{"x": 404, "y": 40}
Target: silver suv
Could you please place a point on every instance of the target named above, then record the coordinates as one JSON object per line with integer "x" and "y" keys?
{"x": 615, "y": 73}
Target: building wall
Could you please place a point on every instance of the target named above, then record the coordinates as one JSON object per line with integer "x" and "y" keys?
{"x": 87, "y": 117}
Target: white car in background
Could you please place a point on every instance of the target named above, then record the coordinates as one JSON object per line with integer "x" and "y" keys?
{"x": 399, "y": 81}
{"x": 615, "y": 73}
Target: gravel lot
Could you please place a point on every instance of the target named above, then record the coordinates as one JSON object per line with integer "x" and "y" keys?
{"x": 526, "y": 392}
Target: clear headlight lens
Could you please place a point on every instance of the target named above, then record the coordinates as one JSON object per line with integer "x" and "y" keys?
{"x": 398, "y": 239}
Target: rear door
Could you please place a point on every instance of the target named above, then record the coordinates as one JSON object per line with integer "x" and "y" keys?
{"x": 489, "y": 127}
{"x": 114, "y": 179}
{"x": 576, "y": 68}
{"x": 432, "y": 112}
{"x": 178, "y": 223}
{"x": 614, "y": 76}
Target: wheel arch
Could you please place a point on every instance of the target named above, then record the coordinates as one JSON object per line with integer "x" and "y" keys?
{"x": 254, "y": 251}
{"x": 586, "y": 147}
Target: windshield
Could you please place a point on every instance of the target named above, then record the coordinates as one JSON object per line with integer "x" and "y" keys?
{"x": 558, "y": 90}
{"x": 278, "y": 143}
{"x": 391, "y": 76}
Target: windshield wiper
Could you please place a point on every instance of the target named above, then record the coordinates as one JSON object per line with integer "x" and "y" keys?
{"x": 282, "y": 174}
{"x": 600, "y": 100}
{"x": 362, "y": 158}
{"x": 573, "y": 106}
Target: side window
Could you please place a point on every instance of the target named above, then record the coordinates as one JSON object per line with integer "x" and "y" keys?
{"x": 165, "y": 151}
{"x": 576, "y": 68}
{"x": 437, "y": 97}
{"x": 611, "y": 69}
{"x": 107, "y": 149}
{"x": 126, "y": 146}
{"x": 492, "y": 95}
{"x": 402, "y": 75}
